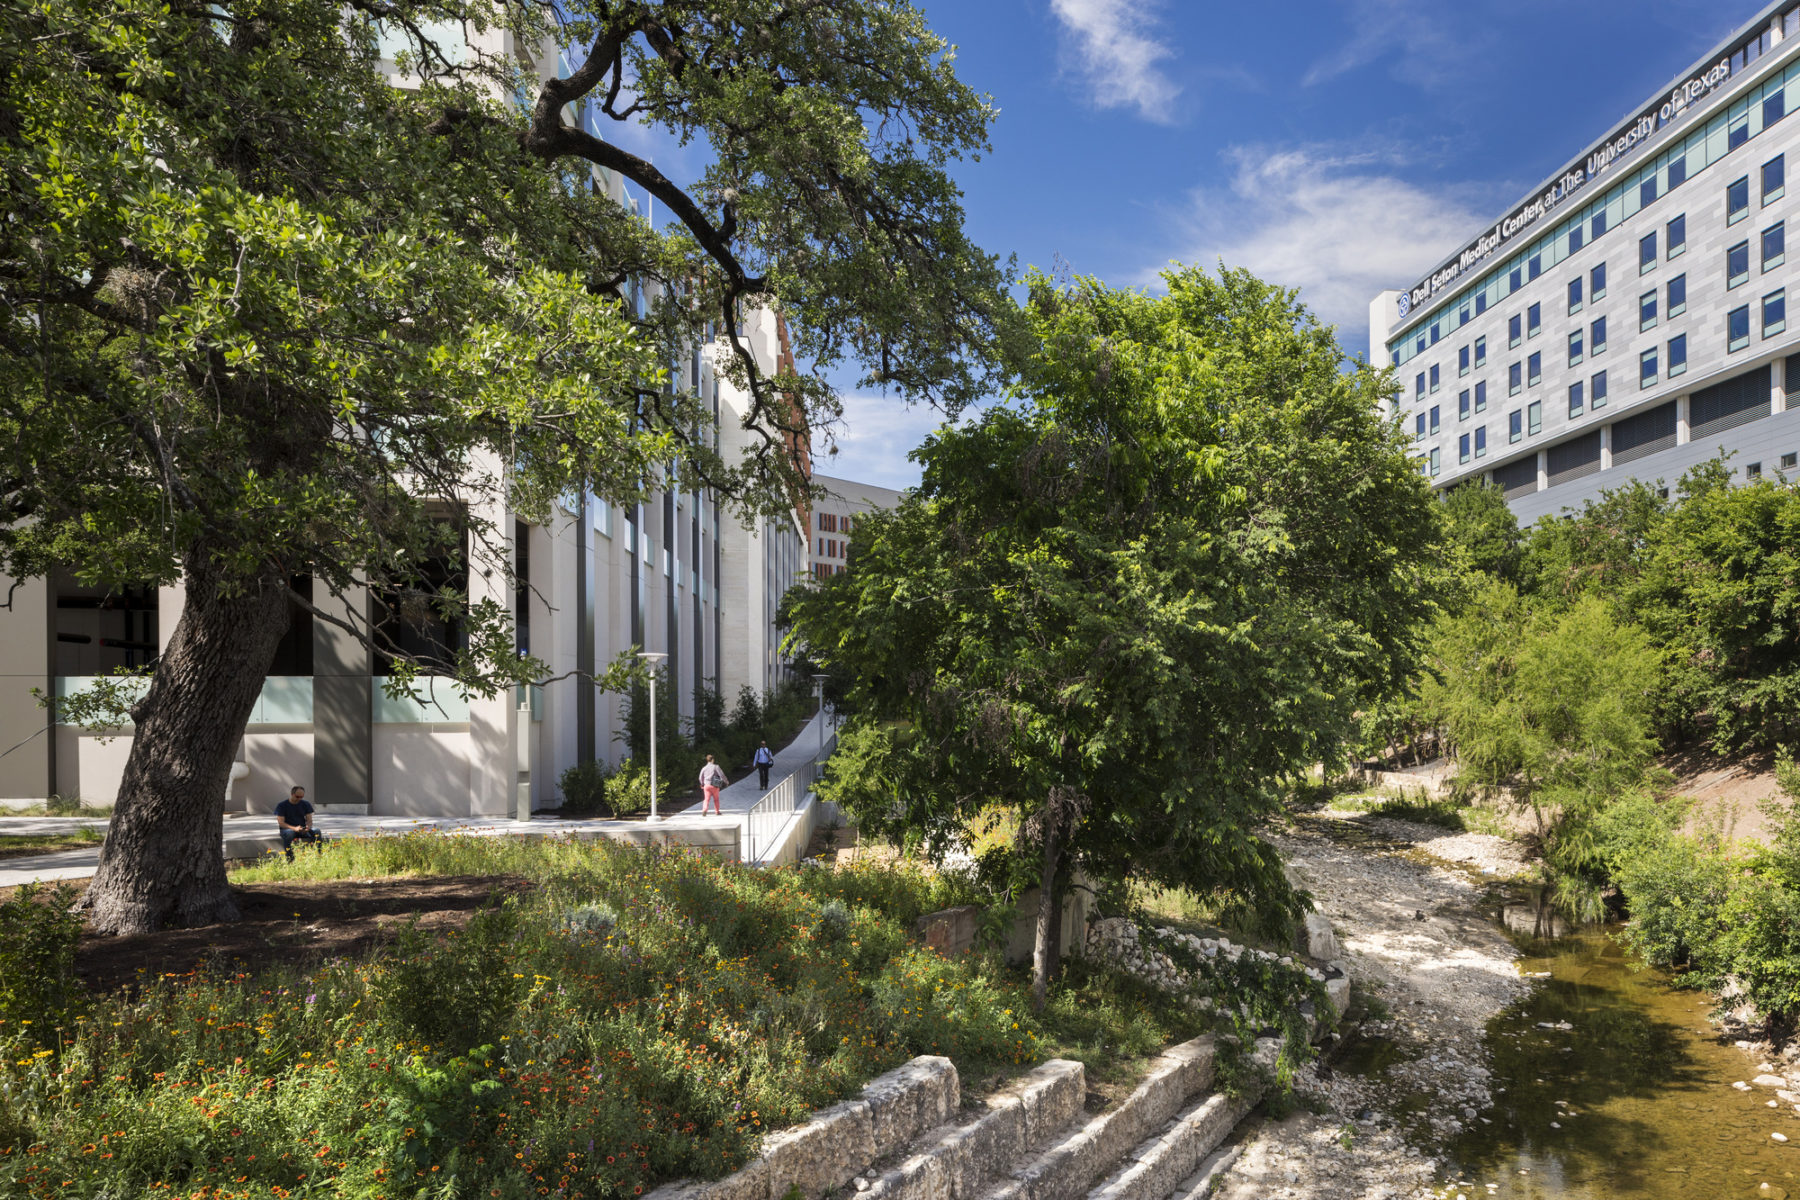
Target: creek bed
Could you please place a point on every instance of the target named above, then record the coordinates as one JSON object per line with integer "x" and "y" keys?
{"x": 1647, "y": 1110}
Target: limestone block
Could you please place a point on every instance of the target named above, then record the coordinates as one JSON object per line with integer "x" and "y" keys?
{"x": 1156, "y": 1098}
{"x": 682, "y": 1189}
{"x": 1050, "y": 1095}
{"x": 823, "y": 1154}
{"x": 921, "y": 1177}
{"x": 987, "y": 1148}
{"x": 1337, "y": 989}
{"x": 1317, "y": 939}
{"x": 1197, "y": 1058}
{"x": 751, "y": 1183}
{"x": 909, "y": 1100}
{"x": 1065, "y": 1172}
{"x": 950, "y": 931}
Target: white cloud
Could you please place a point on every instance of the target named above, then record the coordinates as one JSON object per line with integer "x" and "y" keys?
{"x": 1426, "y": 37}
{"x": 874, "y": 438}
{"x": 1339, "y": 226}
{"x": 1109, "y": 45}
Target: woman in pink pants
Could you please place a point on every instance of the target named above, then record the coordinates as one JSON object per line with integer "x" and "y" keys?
{"x": 711, "y": 780}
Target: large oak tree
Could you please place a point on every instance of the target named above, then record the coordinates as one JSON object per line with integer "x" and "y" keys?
{"x": 265, "y": 315}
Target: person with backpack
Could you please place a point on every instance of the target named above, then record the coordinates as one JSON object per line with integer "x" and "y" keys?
{"x": 711, "y": 780}
{"x": 764, "y": 760}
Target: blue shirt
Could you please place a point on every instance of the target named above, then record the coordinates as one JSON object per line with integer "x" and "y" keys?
{"x": 763, "y": 757}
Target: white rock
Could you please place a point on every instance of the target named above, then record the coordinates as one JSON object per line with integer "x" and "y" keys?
{"x": 1779, "y": 1137}
{"x": 1741, "y": 1086}
{"x": 1769, "y": 1081}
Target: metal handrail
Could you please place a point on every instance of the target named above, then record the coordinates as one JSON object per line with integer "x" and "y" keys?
{"x": 766, "y": 817}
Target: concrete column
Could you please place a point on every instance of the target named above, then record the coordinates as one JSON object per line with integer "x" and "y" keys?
{"x": 1606, "y": 447}
{"x": 1543, "y": 459}
{"x": 27, "y": 660}
{"x": 1778, "y": 386}
{"x": 1681, "y": 420}
{"x": 343, "y": 728}
{"x": 493, "y": 720}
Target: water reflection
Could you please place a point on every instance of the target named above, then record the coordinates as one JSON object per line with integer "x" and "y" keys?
{"x": 1608, "y": 1083}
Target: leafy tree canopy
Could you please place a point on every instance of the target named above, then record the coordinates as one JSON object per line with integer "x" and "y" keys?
{"x": 1122, "y": 609}
{"x": 266, "y": 315}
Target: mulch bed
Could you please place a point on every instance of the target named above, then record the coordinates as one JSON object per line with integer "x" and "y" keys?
{"x": 296, "y": 924}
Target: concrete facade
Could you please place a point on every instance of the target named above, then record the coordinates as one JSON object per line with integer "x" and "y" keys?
{"x": 1616, "y": 324}
{"x": 833, "y": 519}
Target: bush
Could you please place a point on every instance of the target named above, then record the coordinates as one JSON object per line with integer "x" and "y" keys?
{"x": 584, "y": 790}
{"x": 455, "y": 993}
{"x": 38, "y": 937}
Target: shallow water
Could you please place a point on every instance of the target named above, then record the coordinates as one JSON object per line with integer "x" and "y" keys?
{"x": 1648, "y": 1109}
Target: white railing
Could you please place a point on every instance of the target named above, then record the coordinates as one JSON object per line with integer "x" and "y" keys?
{"x": 771, "y": 814}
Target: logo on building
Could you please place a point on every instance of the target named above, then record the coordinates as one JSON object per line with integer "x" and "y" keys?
{"x": 1405, "y": 304}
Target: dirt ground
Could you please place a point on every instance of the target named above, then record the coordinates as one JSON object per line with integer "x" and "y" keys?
{"x": 1429, "y": 969}
{"x": 1729, "y": 790}
{"x": 293, "y": 923}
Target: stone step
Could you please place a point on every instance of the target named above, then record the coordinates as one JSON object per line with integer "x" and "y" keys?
{"x": 1089, "y": 1150}
{"x": 1199, "y": 1185}
{"x": 1158, "y": 1167}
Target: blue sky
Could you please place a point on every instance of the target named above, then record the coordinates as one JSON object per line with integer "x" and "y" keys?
{"x": 1340, "y": 146}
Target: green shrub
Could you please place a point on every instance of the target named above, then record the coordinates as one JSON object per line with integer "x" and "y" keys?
{"x": 38, "y": 937}
{"x": 584, "y": 790}
{"x": 457, "y": 992}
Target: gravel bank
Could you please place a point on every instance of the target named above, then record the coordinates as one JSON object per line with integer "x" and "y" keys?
{"x": 1435, "y": 969}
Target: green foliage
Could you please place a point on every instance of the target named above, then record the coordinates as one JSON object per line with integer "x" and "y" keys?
{"x": 584, "y": 790}
{"x": 1126, "y": 609}
{"x": 638, "y": 1016}
{"x": 1483, "y": 527}
{"x": 38, "y": 937}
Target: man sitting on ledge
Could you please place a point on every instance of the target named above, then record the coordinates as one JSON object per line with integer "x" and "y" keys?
{"x": 293, "y": 817}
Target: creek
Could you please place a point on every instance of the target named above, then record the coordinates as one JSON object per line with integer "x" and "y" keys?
{"x": 1609, "y": 1082}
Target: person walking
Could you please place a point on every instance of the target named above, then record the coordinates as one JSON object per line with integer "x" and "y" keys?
{"x": 711, "y": 780}
{"x": 764, "y": 760}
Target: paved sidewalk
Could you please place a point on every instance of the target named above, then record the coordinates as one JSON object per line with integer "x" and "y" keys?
{"x": 742, "y": 796}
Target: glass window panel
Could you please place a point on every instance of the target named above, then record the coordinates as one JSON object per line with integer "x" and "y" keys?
{"x": 1481, "y": 352}
{"x": 1676, "y": 232}
{"x": 1515, "y": 378}
{"x": 1597, "y": 391}
{"x": 1737, "y": 199}
{"x": 1575, "y": 294}
{"x": 1774, "y": 178}
{"x": 1737, "y": 328}
{"x": 1774, "y": 313}
{"x": 1576, "y": 396}
{"x": 1462, "y": 448}
{"x": 1646, "y": 252}
{"x": 1514, "y": 324}
{"x": 1534, "y": 416}
{"x": 1481, "y": 396}
{"x": 1534, "y": 368}
{"x": 1575, "y": 347}
{"x": 1677, "y": 355}
{"x": 1534, "y": 320}
{"x": 1774, "y": 245}
{"x": 1647, "y": 367}
{"x": 1737, "y": 265}
{"x": 1515, "y": 425}
{"x": 1462, "y": 404}
{"x": 1677, "y": 295}
{"x": 1597, "y": 282}
{"x": 1647, "y": 310}
{"x": 1480, "y": 441}
{"x": 1677, "y": 171}
{"x": 1597, "y": 335}
{"x": 1647, "y": 191}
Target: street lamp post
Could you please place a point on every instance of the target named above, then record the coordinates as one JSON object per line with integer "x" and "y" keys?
{"x": 654, "y": 658}
{"x": 819, "y": 687}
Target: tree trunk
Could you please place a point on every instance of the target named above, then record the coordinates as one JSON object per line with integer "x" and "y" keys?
{"x": 1043, "y": 952}
{"x": 163, "y": 861}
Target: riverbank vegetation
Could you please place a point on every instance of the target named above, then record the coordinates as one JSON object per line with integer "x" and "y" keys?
{"x": 1653, "y": 620}
{"x": 626, "y": 1017}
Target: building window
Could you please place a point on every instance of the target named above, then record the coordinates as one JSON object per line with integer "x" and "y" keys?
{"x": 1534, "y": 320}
{"x": 1774, "y": 178}
{"x": 1575, "y": 347}
{"x": 1434, "y": 460}
{"x": 1676, "y": 235}
{"x": 1646, "y": 253}
{"x": 1434, "y": 418}
{"x": 1597, "y": 283}
{"x": 1480, "y": 441}
{"x": 1462, "y": 361}
{"x": 1677, "y": 171}
{"x": 1434, "y": 333}
{"x": 1515, "y": 379}
{"x": 1774, "y": 245}
{"x": 1515, "y": 280}
{"x": 1647, "y": 368}
{"x": 1790, "y": 460}
{"x": 1481, "y": 352}
{"x": 1534, "y": 417}
{"x": 1647, "y": 310}
{"x": 1434, "y": 378}
{"x": 1462, "y": 405}
{"x": 1480, "y": 302}
{"x": 1575, "y": 239}
{"x": 1534, "y": 368}
{"x": 1515, "y": 425}
{"x": 1420, "y": 348}
{"x": 1597, "y": 226}
{"x": 1419, "y": 427}
{"x": 1419, "y": 386}
{"x": 1774, "y": 107}
{"x": 1739, "y": 131}
{"x": 1774, "y": 313}
{"x": 1481, "y": 396}
{"x": 1677, "y": 296}
{"x": 1737, "y": 328}
{"x": 1737, "y": 200}
{"x": 1575, "y": 294}
{"x": 1535, "y": 267}
{"x": 1753, "y": 470}
{"x": 1677, "y": 355}
{"x": 1597, "y": 335}
{"x": 1575, "y": 398}
{"x": 1737, "y": 265}
{"x": 1462, "y": 448}
{"x": 1597, "y": 392}
{"x": 1647, "y": 192}
{"x": 1514, "y": 324}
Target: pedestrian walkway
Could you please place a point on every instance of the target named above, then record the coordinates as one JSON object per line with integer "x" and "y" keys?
{"x": 742, "y": 796}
